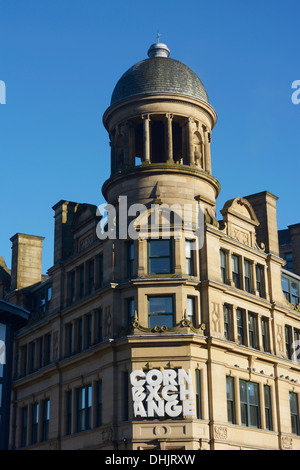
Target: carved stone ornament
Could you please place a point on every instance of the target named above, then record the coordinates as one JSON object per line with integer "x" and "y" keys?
{"x": 166, "y": 329}
{"x": 107, "y": 435}
{"x": 287, "y": 443}
{"x": 221, "y": 432}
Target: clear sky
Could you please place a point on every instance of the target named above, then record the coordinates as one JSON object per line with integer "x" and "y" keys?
{"x": 60, "y": 60}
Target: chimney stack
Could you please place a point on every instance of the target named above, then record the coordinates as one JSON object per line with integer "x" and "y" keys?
{"x": 63, "y": 237}
{"x": 264, "y": 205}
{"x": 26, "y": 264}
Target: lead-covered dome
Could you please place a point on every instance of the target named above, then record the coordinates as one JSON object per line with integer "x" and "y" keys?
{"x": 159, "y": 74}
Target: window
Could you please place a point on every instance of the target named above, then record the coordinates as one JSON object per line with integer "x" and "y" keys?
{"x": 24, "y": 424}
{"x": 23, "y": 360}
{"x": 250, "y": 410}
{"x": 125, "y": 380}
{"x": 81, "y": 282}
{"x": 47, "y": 349}
{"x": 265, "y": 334}
{"x": 32, "y": 357}
{"x": 230, "y": 399}
{"x": 160, "y": 311}
{"x": 295, "y": 288}
{"x": 252, "y": 330}
{"x": 191, "y": 309}
{"x": 130, "y": 259}
{"x": 79, "y": 335}
{"x": 235, "y": 263}
{"x": 247, "y": 275}
{"x": 296, "y": 345}
{"x": 69, "y": 339}
{"x": 99, "y": 325}
{"x": 71, "y": 277}
{"x": 34, "y": 423}
{"x": 69, "y": 412}
{"x": 240, "y": 319}
{"x": 130, "y": 311}
{"x": 100, "y": 270}
{"x": 286, "y": 288}
{"x": 189, "y": 259}
{"x": 41, "y": 351}
{"x": 99, "y": 403}
{"x": 259, "y": 279}
{"x": 198, "y": 394}
{"x": 223, "y": 266}
{"x": 291, "y": 289}
{"x": 294, "y": 413}
{"x": 46, "y": 418}
{"x": 159, "y": 256}
{"x": 289, "y": 261}
{"x": 268, "y": 407}
{"x": 88, "y": 330}
{"x": 227, "y": 322}
{"x": 91, "y": 276}
{"x": 84, "y": 405}
{"x": 288, "y": 341}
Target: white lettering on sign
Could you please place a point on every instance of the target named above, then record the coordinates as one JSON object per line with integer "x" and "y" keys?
{"x": 157, "y": 393}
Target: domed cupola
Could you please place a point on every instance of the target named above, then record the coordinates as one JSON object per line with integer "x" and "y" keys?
{"x": 159, "y": 74}
{"x": 159, "y": 122}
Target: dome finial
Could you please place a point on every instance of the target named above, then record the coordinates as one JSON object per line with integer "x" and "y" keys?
{"x": 158, "y": 49}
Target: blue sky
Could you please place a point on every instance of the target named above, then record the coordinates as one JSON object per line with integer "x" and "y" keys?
{"x": 60, "y": 60}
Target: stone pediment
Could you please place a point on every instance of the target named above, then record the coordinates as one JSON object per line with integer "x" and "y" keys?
{"x": 240, "y": 221}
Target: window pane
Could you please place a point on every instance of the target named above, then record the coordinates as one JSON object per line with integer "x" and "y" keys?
{"x": 160, "y": 266}
{"x": 158, "y": 305}
{"x": 160, "y": 311}
{"x": 159, "y": 248}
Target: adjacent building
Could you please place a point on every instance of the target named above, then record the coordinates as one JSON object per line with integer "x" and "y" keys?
{"x": 160, "y": 326}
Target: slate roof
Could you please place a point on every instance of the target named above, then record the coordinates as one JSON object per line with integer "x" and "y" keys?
{"x": 159, "y": 75}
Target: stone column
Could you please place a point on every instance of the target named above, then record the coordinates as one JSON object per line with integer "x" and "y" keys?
{"x": 207, "y": 155}
{"x": 112, "y": 152}
{"x": 191, "y": 160}
{"x": 146, "y": 137}
{"x": 169, "y": 138}
{"x": 126, "y": 143}
{"x": 131, "y": 133}
{"x": 253, "y": 278}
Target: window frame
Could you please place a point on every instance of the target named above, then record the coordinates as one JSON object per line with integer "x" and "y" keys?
{"x": 168, "y": 257}
{"x": 247, "y": 407}
{"x": 160, "y": 315}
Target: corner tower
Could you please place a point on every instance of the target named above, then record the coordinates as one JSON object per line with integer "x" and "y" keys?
{"x": 160, "y": 123}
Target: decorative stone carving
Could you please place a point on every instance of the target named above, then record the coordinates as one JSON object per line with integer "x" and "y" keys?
{"x": 216, "y": 317}
{"x": 106, "y": 435}
{"x": 280, "y": 338}
{"x": 221, "y": 432}
{"x": 85, "y": 242}
{"x": 287, "y": 443}
{"x": 161, "y": 430}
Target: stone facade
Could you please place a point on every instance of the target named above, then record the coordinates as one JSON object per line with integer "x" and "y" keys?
{"x": 111, "y": 306}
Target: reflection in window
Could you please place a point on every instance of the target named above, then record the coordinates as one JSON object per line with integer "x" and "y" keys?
{"x": 294, "y": 413}
{"x": 223, "y": 266}
{"x": 189, "y": 258}
{"x": 84, "y": 406}
{"x": 160, "y": 311}
{"x": 159, "y": 256}
{"x": 191, "y": 309}
{"x": 249, "y": 397}
{"x": 230, "y": 400}
{"x": 235, "y": 271}
{"x": 247, "y": 275}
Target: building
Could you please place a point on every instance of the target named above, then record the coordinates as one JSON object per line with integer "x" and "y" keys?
{"x": 12, "y": 318}
{"x": 157, "y": 328}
